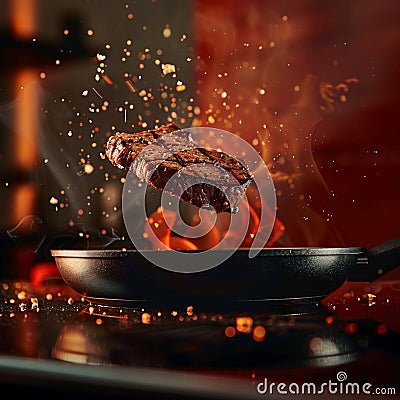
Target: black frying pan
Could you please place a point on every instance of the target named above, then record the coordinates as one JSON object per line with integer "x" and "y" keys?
{"x": 275, "y": 274}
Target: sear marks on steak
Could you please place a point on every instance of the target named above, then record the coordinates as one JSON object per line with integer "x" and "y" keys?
{"x": 199, "y": 176}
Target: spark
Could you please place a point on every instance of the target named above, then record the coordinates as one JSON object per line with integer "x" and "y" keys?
{"x": 168, "y": 68}
{"x": 107, "y": 79}
{"x": 167, "y": 32}
{"x": 101, "y": 57}
{"x": 180, "y": 87}
{"x": 88, "y": 168}
{"x": 98, "y": 94}
{"x": 130, "y": 85}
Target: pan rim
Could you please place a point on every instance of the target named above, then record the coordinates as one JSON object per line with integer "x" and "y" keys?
{"x": 265, "y": 252}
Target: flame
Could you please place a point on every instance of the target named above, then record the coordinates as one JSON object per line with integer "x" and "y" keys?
{"x": 159, "y": 223}
{"x": 158, "y": 228}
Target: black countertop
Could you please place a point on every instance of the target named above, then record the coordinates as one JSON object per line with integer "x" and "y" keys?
{"x": 54, "y": 341}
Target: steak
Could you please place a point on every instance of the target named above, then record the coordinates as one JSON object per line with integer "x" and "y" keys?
{"x": 174, "y": 163}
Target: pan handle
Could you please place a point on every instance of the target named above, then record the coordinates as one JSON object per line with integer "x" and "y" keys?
{"x": 376, "y": 262}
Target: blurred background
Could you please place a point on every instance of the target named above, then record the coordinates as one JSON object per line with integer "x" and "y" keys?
{"x": 312, "y": 85}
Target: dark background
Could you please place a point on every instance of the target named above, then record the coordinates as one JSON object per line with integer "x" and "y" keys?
{"x": 316, "y": 81}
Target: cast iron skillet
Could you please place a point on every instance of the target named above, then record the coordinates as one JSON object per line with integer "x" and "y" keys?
{"x": 275, "y": 274}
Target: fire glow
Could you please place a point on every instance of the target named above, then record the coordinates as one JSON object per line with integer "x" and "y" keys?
{"x": 161, "y": 220}
{"x": 197, "y": 75}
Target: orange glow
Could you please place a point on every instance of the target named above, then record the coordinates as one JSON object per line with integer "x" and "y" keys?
{"x": 23, "y": 201}
{"x": 244, "y": 324}
{"x": 212, "y": 238}
{"x": 107, "y": 79}
{"x": 330, "y": 319}
{"x": 179, "y": 243}
{"x": 230, "y": 331}
{"x": 259, "y": 333}
{"x": 189, "y": 310}
{"x": 146, "y": 318}
{"x": 351, "y": 327}
{"x": 26, "y": 119}
{"x": 160, "y": 221}
{"x": 316, "y": 344}
{"x": 381, "y": 329}
{"x": 23, "y": 17}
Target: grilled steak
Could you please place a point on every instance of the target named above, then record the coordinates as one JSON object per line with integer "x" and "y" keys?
{"x": 199, "y": 176}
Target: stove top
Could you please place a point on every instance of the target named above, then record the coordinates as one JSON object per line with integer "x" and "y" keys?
{"x": 53, "y": 339}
